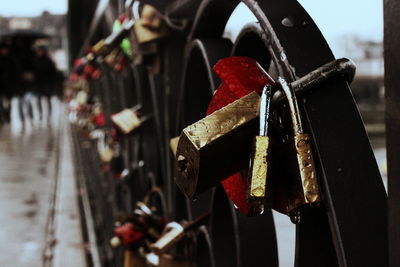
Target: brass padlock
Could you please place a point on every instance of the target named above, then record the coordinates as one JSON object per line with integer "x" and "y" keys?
{"x": 128, "y": 119}
{"x": 260, "y": 162}
{"x": 307, "y": 190}
{"x": 216, "y": 146}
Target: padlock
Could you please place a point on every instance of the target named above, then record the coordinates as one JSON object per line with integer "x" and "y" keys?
{"x": 173, "y": 144}
{"x": 260, "y": 161}
{"x": 149, "y": 27}
{"x": 82, "y": 97}
{"x": 104, "y": 149}
{"x": 137, "y": 229}
{"x": 216, "y": 146}
{"x": 105, "y": 46}
{"x": 106, "y": 154}
{"x": 240, "y": 76}
{"x": 98, "y": 116}
{"x": 151, "y": 223}
{"x": 174, "y": 232}
{"x": 152, "y": 259}
{"x": 116, "y": 59}
{"x": 128, "y": 234}
{"x": 91, "y": 72}
{"x": 96, "y": 134}
{"x": 112, "y": 58}
{"x": 306, "y": 191}
{"x": 128, "y": 119}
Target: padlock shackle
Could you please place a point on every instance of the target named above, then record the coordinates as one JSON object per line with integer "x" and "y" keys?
{"x": 342, "y": 66}
{"x": 293, "y": 105}
{"x": 136, "y": 107}
{"x": 116, "y": 37}
{"x": 265, "y": 107}
{"x": 197, "y": 221}
{"x": 336, "y": 68}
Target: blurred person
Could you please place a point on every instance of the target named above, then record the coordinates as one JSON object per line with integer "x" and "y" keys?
{"x": 47, "y": 77}
{"x": 7, "y": 81}
{"x": 26, "y": 89}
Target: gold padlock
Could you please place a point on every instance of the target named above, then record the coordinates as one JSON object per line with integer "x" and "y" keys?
{"x": 217, "y": 146}
{"x": 305, "y": 191}
{"x": 260, "y": 162}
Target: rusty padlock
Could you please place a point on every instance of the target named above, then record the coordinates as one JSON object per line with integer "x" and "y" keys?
{"x": 305, "y": 191}
{"x": 216, "y": 146}
{"x": 260, "y": 162}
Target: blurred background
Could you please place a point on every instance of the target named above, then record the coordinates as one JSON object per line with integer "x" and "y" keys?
{"x": 353, "y": 29}
{"x": 44, "y": 16}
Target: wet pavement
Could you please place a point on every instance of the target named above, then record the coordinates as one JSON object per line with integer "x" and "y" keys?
{"x": 29, "y": 174}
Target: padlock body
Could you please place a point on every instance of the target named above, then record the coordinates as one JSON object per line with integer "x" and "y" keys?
{"x": 217, "y": 146}
{"x": 293, "y": 176}
{"x": 173, "y": 233}
{"x": 307, "y": 170}
{"x": 259, "y": 171}
{"x": 126, "y": 120}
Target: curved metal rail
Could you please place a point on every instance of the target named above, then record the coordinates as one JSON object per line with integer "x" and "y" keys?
{"x": 349, "y": 229}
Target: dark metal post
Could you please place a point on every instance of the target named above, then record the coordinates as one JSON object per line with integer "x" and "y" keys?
{"x": 79, "y": 16}
{"x": 392, "y": 88}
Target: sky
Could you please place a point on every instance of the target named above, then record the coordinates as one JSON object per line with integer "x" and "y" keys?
{"x": 338, "y": 17}
{"x": 338, "y": 20}
{"x": 334, "y": 17}
{"x": 31, "y": 8}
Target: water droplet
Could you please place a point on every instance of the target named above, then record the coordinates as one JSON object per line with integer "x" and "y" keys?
{"x": 295, "y": 217}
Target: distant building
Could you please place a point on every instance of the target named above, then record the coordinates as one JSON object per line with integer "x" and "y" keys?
{"x": 368, "y": 85}
{"x": 51, "y": 24}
